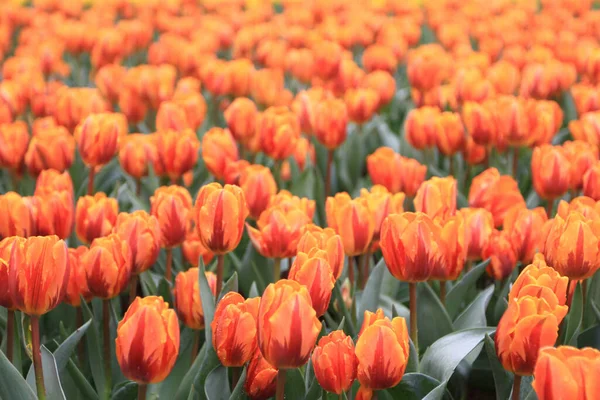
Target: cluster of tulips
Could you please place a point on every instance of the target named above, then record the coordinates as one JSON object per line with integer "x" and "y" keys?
{"x": 318, "y": 154}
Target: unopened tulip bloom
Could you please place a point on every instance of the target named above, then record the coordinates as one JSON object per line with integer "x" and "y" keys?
{"x": 328, "y": 55}
{"x": 582, "y": 157}
{"x": 186, "y": 294}
{"x": 421, "y": 127}
{"x": 383, "y": 83}
{"x": 177, "y": 153}
{"x": 536, "y": 279}
{"x": 172, "y": 207}
{"x": 587, "y": 206}
{"x": 107, "y": 266}
{"x": 52, "y": 148}
{"x": 551, "y": 173}
{"x": 453, "y": 236}
{"x": 523, "y": 228}
{"x": 241, "y": 119}
{"x": 259, "y": 186}
{"x": 278, "y": 130}
{"x": 479, "y": 123}
{"x": 261, "y": 378}
{"x": 50, "y": 181}
{"x": 218, "y": 149}
{"x": 413, "y": 174}
{"x": 18, "y": 216}
{"x": 330, "y": 122}
{"x": 479, "y": 225}
{"x": 528, "y": 325}
{"x": 147, "y": 343}
{"x": 313, "y": 271}
{"x": 352, "y": 220}
{"x": 361, "y": 104}
{"x": 450, "y": 137}
{"x": 327, "y": 240}
{"x": 587, "y": 128}
{"x": 567, "y": 372}
{"x": 193, "y": 249}
{"x": 6, "y": 246}
{"x": 437, "y": 197}
{"x": 171, "y": 116}
{"x": 95, "y": 216}
{"x": 77, "y": 286}
{"x": 54, "y": 214}
{"x": 98, "y": 137}
{"x": 285, "y": 199}
{"x": 137, "y": 153}
{"x": 335, "y": 363}
{"x": 382, "y": 203}
{"x": 234, "y": 329}
{"x": 287, "y": 324}
{"x": 14, "y": 139}
{"x": 503, "y": 258}
{"x": 591, "y": 182}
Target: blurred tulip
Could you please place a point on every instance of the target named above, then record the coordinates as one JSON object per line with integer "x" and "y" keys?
{"x": 427, "y": 66}
{"x": 479, "y": 123}
{"x": 147, "y": 358}
{"x": 383, "y": 83}
{"x": 550, "y": 170}
{"x": 328, "y": 56}
{"x": 421, "y": 127}
{"x": 234, "y": 329}
{"x": 479, "y": 225}
{"x": 361, "y": 104}
{"x": 582, "y": 157}
{"x": 52, "y": 148}
{"x": 378, "y": 57}
{"x": 587, "y": 128}
{"x": 352, "y": 220}
{"x": 278, "y": 131}
{"x": 77, "y": 286}
{"x": 261, "y": 378}
{"x": 335, "y": 363}
{"x": 315, "y": 237}
{"x": 259, "y": 186}
{"x": 186, "y": 295}
{"x": 95, "y": 216}
{"x": 14, "y": 139}
{"x": 286, "y": 310}
{"x": 98, "y": 137}
{"x": 453, "y": 236}
{"x": 585, "y": 97}
{"x": 218, "y": 150}
{"x": 450, "y": 138}
{"x": 177, "y": 153}
{"x": 109, "y": 80}
{"x": 171, "y": 116}
{"x": 107, "y": 266}
{"x": 382, "y": 203}
{"x": 591, "y": 182}
{"x": 287, "y": 200}
{"x": 587, "y": 206}
{"x": 54, "y": 214}
{"x": 503, "y": 258}
{"x": 50, "y": 181}
{"x": 313, "y": 271}
{"x": 241, "y": 116}
{"x": 330, "y": 123}
{"x": 437, "y": 197}
{"x": 6, "y": 246}
{"x": 19, "y": 216}
{"x": 172, "y": 207}
{"x": 136, "y": 154}
{"x": 193, "y": 249}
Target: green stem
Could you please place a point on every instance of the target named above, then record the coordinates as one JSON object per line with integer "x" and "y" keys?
{"x": 220, "y": 267}
{"x": 414, "y": 332}
{"x": 168, "y": 271}
{"x": 37, "y": 357}
{"x": 107, "y": 351}
{"x": 10, "y": 334}
{"x": 280, "y": 391}
{"x": 91, "y": 176}
{"x": 276, "y": 269}
{"x": 142, "y": 389}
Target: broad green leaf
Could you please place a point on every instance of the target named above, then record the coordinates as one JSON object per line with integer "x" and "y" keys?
{"x": 314, "y": 391}
{"x": 253, "y": 291}
{"x": 349, "y": 327}
{"x": 126, "y": 391}
{"x": 94, "y": 345}
{"x": 294, "y": 385}
{"x": 149, "y": 287}
{"x": 230, "y": 286}
{"x": 12, "y": 384}
{"x": 574, "y": 317}
{"x": 589, "y": 338}
{"x": 208, "y": 302}
{"x": 54, "y": 390}
{"x": 413, "y": 386}
{"x": 165, "y": 290}
{"x": 501, "y": 299}
{"x": 474, "y": 315}
{"x": 593, "y": 296}
{"x": 432, "y": 319}
{"x": 527, "y": 391}
{"x": 81, "y": 382}
{"x": 502, "y": 379}
{"x": 238, "y": 391}
{"x": 209, "y": 361}
{"x": 370, "y": 296}
{"x": 413, "y": 358}
{"x": 187, "y": 381}
{"x": 456, "y": 295}
{"x": 217, "y": 384}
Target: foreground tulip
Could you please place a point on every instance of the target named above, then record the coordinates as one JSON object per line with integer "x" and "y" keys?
{"x": 437, "y": 197}
{"x": 523, "y": 228}
{"x": 234, "y": 329}
{"x": 188, "y": 302}
{"x": 18, "y": 216}
{"x": 313, "y": 271}
{"x": 327, "y": 240}
{"x": 37, "y": 280}
{"x": 220, "y": 215}
{"x": 50, "y": 181}
{"x": 147, "y": 343}
{"x": 52, "y": 148}
{"x": 54, "y": 214}
{"x": 540, "y": 280}
{"x": 278, "y": 130}
{"x": 95, "y": 216}
{"x": 261, "y": 378}
{"x": 6, "y": 300}
{"x": 259, "y": 186}
{"x": 287, "y": 326}
{"x": 551, "y": 173}
{"x": 567, "y": 372}
{"x": 382, "y": 351}
{"x": 503, "y": 258}
{"x": 77, "y": 286}
{"x": 177, "y": 153}
{"x": 334, "y": 362}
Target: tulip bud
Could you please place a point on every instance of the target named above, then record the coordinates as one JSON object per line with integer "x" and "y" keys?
{"x": 172, "y": 207}
{"x": 422, "y": 127}
{"x": 287, "y": 200}
{"x": 536, "y": 279}
{"x": 503, "y": 258}
{"x": 396, "y": 173}
{"x": 234, "y": 329}
{"x": 327, "y": 240}
{"x": 54, "y": 214}
{"x": 142, "y": 232}
{"x": 383, "y": 83}
{"x": 77, "y": 286}
{"x": 259, "y": 186}
{"x": 136, "y": 154}
{"x": 38, "y": 274}
{"x": 278, "y": 131}
{"x": 330, "y": 123}
{"x": 352, "y": 220}
{"x": 53, "y": 148}
{"x": 220, "y": 212}
{"x": 18, "y": 216}
{"x": 50, "y": 181}
{"x": 523, "y": 228}
{"x": 427, "y": 66}
{"x": 313, "y": 271}
{"x": 453, "y": 236}
{"x": 479, "y": 123}
{"x": 14, "y": 139}
{"x": 591, "y": 182}
{"x": 328, "y": 56}
{"x": 437, "y": 197}
{"x": 186, "y": 294}
{"x": 550, "y": 171}
{"x": 529, "y": 324}
{"x": 98, "y": 137}
{"x": 412, "y": 246}
{"x": 218, "y": 150}
{"x": 109, "y": 80}
{"x": 95, "y": 216}
{"x": 241, "y": 119}
{"x": 334, "y": 362}
{"x": 378, "y": 57}
{"x": 287, "y": 324}
{"x": 382, "y": 203}
{"x": 361, "y": 104}
{"x": 193, "y": 249}
{"x": 107, "y": 266}
{"x": 147, "y": 358}
{"x": 171, "y": 116}
{"x": 6, "y": 246}
{"x": 587, "y": 206}
{"x": 261, "y": 378}
{"x": 177, "y": 152}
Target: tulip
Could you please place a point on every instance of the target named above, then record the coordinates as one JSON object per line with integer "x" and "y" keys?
{"x": 396, "y": 173}
{"x": 234, "y": 329}
{"x": 335, "y": 363}
{"x": 427, "y": 66}
{"x": 566, "y": 372}
{"x": 361, "y": 104}
{"x": 327, "y": 240}
{"x": 303, "y": 155}
{"x": 450, "y": 137}
{"x": 107, "y": 266}
{"x": 591, "y": 182}
{"x": 383, "y": 83}
{"x": 453, "y": 236}
{"x": 193, "y": 249}
{"x": 539, "y": 280}
{"x": 328, "y": 55}
{"x": 188, "y": 302}
{"x": 18, "y": 216}
{"x": 136, "y": 154}
{"x": 95, "y": 216}
{"x": 479, "y": 225}
{"x": 109, "y": 80}
{"x": 6, "y": 300}
{"x": 523, "y": 228}
{"x": 587, "y": 128}
{"x": 437, "y": 197}
{"x": 582, "y": 157}
{"x": 352, "y": 220}
{"x": 587, "y": 206}
{"x": 278, "y": 130}
{"x": 14, "y": 139}
{"x": 52, "y": 148}
{"x": 503, "y": 258}
{"x": 422, "y": 126}
{"x": 572, "y": 246}
{"x": 382, "y": 351}
{"x": 218, "y": 150}
{"x": 287, "y": 200}
{"x": 54, "y": 214}
{"x": 177, "y": 153}
{"x": 586, "y": 98}
{"x": 193, "y": 105}
{"x": 147, "y": 358}
{"x": 77, "y": 286}
{"x": 241, "y": 119}
{"x": 50, "y": 181}
{"x": 259, "y": 186}
{"x": 261, "y": 378}
{"x": 505, "y": 77}
{"x": 313, "y": 271}
{"x": 479, "y": 123}
{"x": 171, "y": 116}
{"x": 550, "y": 173}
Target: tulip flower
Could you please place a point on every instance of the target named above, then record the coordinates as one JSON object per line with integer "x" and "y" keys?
{"x": 6, "y": 300}
{"x": 582, "y": 157}
{"x": 396, "y": 173}
{"x": 54, "y": 214}
{"x": 537, "y": 279}
{"x": 234, "y": 329}
{"x": 551, "y": 177}
{"x": 479, "y": 123}
{"x": 591, "y": 182}
{"x": 171, "y": 116}
{"x": 193, "y": 249}
{"x": 218, "y": 150}
{"x": 335, "y": 363}
{"x": 422, "y": 126}
{"x": 259, "y": 186}
{"x": 453, "y": 236}
{"x": 450, "y": 137}
{"x": 52, "y": 148}
{"x": 427, "y": 66}
{"x": 147, "y": 358}
{"x": 177, "y": 153}
{"x": 18, "y": 216}
{"x": 95, "y": 216}
{"x": 220, "y": 215}
{"x": 503, "y": 258}
{"x": 328, "y": 55}
{"x": 587, "y": 206}
{"x": 361, "y": 104}
{"x": 241, "y": 119}
{"x": 278, "y": 130}
{"x": 587, "y": 128}
{"x": 136, "y": 154}
{"x": 50, "y": 181}
{"x": 479, "y": 225}
{"x": 261, "y": 378}
{"x": 383, "y": 83}
{"x": 188, "y": 302}
{"x": 14, "y": 139}
{"x": 313, "y": 271}
{"x": 327, "y": 240}
{"x": 285, "y": 199}
{"x": 566, "y": 372}
{"x": 437, "y": 197}
{"x": 382, "y": 351}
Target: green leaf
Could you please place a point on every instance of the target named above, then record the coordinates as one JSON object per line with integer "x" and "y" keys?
{"x": 593, "y": 296}
{"x": 502, "y": 379}
{"x": 209, "y": 362}
{"x": 349, "y": 327}
{"x": 313, "y": 391}
{"x": 81, "y": 382}
{"x": 238, "y": 391}
{"x": 217, "y": 384}
{"x": 54, "y": 390}
{"x": 574, "y": 316}
{"x": 187, "y": 381}
{"x": 208, "y": 302}
{"x": 432, "y": 318}
{"x": 413, "y": 386}
{"x": 501, "y": 301}
{"x": 457, "y": 294}
{"x": 164, "y": 290}
{"x": 370, "y": 296}
{"x": 253, "y": 291}
{"x": 94, "y": 346}
{"x": 230, "y": 286}
{"x": 413, "y": 358}
{"x": 148, "y": 284}
{"x": 12, "y": 384}
{"x": 294, "y": 385}
{"x": 474, "y": 315}
{"x": 589, "y": 338}
{"x": 526, "y": 390}
{"x": 127, "y": 391}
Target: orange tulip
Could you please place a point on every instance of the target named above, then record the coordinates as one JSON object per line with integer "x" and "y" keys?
{"x": 450, "y": 138}
{"x": 194, "y": 107}
{"x": 241, "y": 116}
{"x": 315, "y": 237}
{"x": 304, "y": 106}
{"x": 328, "y": 56}
{"x": 171, "y": 116}
{"x": 479, "y": 123}
{"x": 261, "y": 378}
{"x": 18, "y": 216}
{"x": 453, "y": 236}
{"x": 405, "y": 259}
{"x": 234, "y": 329}
{"x": 587, "y": 206}
{"x": 177, "y": 152}
{"x": 172, "y": 207}
{"x": 378, "y": 57}
{"x": 550, "y": 171}
{"x": 421, "y": 127}
{"x": 218, "y": 150}
{"x": 537, "y": 279}
{"x": 582, "y": 157}
{"x": 300, "y": 63}
{"x": 95, "y": 216}
{"x": 591, "y": 182}
{"x": 142, "y": 233}
{"x": 382, "y": 203}
{"x": 278, "y": 131}
{"x": 529, "y": 324}
{"x": 147, "y": 358}
{"x": 427, "y": 66}
{"x": 313, "y": 271}
{"x": 54, "y": 214}
{"x": 220, "y": 212}
{"x": 109, "y": 80}
{"x": 382, "y": 351}
{"x": 383, "y": 83}
{"x": 136, "y": 154}
{"x": 572, "y": 246}
{"x": 38, "y": 274}
{"x": 523, "y": 228}
{"x": 98, "y": 137}
{"x": 335, "y": 363}
{"x": 6, "y": 246}
{"x": 330, "y": 122}
{"x": 587, "y": 128}
{"x": 479, "y": 225}
{"x": 259, "y": 186}
{"x": 187, "y": 299}
{"x": 193, "y": 249}
{"x": 437, "y": 197}
{"x": 14, "y": 139}
{"x": 505, "y": 77}
{"x": 503, "y": 257}
{"x": 50, "y": 181}
{"x": 352, "y": 220}
{"x": 77, "y": 286}
{"x": 287, "y": 324}
{"x": 361, "y": 104}
{"x": 107, "y": 266}
{"x": 566, "y": 372}
{"x": 240, "y": 76}
{"x": 52, "y": 148}
{"x": 286, "y": 199}
{"x": 303, "y": 155}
